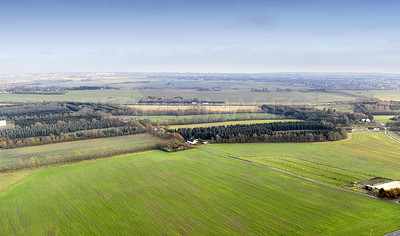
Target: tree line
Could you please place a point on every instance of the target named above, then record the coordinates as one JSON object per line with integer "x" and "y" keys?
{"x": 267, "y": 132}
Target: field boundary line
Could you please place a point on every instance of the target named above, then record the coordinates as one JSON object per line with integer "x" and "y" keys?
{"x": 298, "y": 176}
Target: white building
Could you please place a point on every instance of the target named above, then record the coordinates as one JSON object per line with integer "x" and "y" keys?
{"x": 3, "y": 122}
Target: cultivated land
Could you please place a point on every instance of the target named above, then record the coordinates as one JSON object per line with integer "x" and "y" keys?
{"x": 247, "y": 97}
{"x": 342, "y": 162}
{"x": 239, "y": 116}
{"x": 47, "y": 152}
{"x": 105, "y": 96}
{"x": 189, "y": 192}
{"x": 383, "y": 119}
{"x": 229, "y": 123}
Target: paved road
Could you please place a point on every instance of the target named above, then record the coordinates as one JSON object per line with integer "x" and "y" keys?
{"x": 395, "y": 233}
{"x": 298, "y": 176}
{"x": 390, "y": 136}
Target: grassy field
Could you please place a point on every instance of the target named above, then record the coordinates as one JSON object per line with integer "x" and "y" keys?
{"x": 247, "y": 97}
{"x": 44, "y": 152}
{"x": 232, "y": 116}
{"x": 111, "y": 96}
{"x": 382, "y": 119}
{"x": 190, "y": 192}
{"x": 363, "y": 155}
{"x": 243, "y": 122}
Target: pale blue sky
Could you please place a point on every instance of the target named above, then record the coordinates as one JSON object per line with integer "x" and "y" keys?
{"x": 200, "y": 36}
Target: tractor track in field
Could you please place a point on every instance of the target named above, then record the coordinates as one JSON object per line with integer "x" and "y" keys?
{"x": 298, "y": 176}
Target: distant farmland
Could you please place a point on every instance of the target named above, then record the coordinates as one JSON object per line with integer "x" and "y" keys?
{"x": 190, "y": 192}
{"x": 247, "y": 97}
{"x": 104, "y": 96}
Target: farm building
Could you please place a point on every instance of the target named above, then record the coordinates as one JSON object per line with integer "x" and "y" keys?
{"x": 3, "y": 122}
{"x": 388, "y": 186}
{"x": 365, "y": 119}
{"x": 192, "y": 141}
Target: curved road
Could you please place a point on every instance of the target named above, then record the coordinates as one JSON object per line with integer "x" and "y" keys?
{"x": 390, "y": 136}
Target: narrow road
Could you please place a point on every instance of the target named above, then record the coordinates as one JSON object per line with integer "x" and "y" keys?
{"x": 390, "y": 136}
{"x": 298, "y": 176}
{"x": 394, "y": 233}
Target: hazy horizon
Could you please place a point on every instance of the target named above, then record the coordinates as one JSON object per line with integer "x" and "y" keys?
{"x": 201, "y": 37}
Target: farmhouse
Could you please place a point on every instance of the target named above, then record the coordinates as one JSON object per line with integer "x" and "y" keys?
{"x": 3, "y": 122}
{"x": 366, "y": 119}
{"x": 192, "y": 141}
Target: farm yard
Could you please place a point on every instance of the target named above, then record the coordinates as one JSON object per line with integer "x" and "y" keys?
{"x": 189, "y": 192}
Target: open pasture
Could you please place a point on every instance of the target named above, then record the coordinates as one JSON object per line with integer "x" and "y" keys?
{"x": 47, "y": 152}
{"x": 104, "y": 96}
{"x": 189, "y": 192}
{"x": 383, "y": 119}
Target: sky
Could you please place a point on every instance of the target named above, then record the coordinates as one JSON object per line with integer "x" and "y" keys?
{"x": 230, "y": 36}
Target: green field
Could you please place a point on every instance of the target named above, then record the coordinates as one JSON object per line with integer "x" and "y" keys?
{"x": 247, "y": 97}
{"x": 105, "y": 96}
{"x": 341, "y": 162}
{"x": 383, "y": 119}
{"x": 44, "y": 152}
{"x": 189, "y": 192}
{"x": 229, "y": 123}
{"x": 228, "y": 116}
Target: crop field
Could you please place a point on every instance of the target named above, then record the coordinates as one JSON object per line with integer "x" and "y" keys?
{"x": 383, "y": 119}
{"x": 210, "y": 108}
{"x": 374, "y": 146}
{"x": 44, "y": 152}
{"x": 241, "y": 122}
{"x": 313, "y": 170}
{"x": 380, "y": 94}
{"x": 364, "y": 154}
{"x": 189, "y": 192}
{"x": 228, "y": 116}
{"x": 247, "y": 97}
{"x": 105, "y": 96}
{"x": 339, "y": 107}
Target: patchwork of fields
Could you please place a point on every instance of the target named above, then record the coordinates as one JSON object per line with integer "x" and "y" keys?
{"x": 247, "y": 97}
{"x": 189, "y": 192}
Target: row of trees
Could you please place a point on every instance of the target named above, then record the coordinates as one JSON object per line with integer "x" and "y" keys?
{"x": 269, "y": 132}
{"x": 60, "y": 127}
{"x": 313, "y": 114}
{"x": 31, "y": 109}
{"x": 281, "y": 137}
{"x": 72, "y": 136}
{"x": 34, "y": 161}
